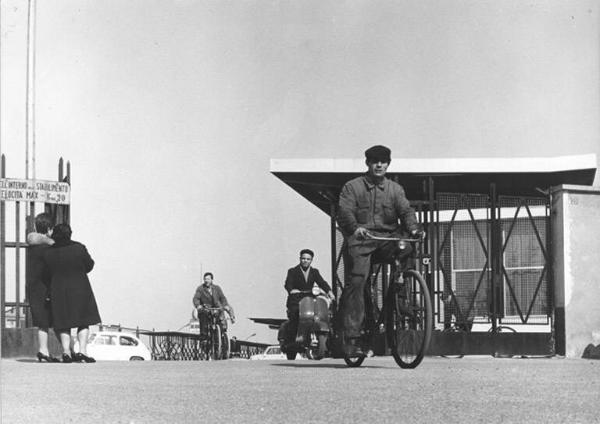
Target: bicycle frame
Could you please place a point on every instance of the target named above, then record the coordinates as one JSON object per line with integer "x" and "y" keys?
{"x": 406, "y": 313}
{"x": 401, "y": 265}
{"x": 217, "y": 344}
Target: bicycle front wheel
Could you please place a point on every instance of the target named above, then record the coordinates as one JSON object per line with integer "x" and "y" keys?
{"x": 225, "y": 345}
{"x": 216, "y": 343}
{"x": 409, "y": 320}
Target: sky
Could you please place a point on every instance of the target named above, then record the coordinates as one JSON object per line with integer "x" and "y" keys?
{"x": 169, "y": 112}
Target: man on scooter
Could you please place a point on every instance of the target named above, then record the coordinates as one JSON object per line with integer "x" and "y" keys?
{"x": 373, "y": 204}
{"x": 299, "y": 281}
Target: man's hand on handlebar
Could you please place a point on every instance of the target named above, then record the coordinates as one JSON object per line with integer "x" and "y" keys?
{"x": 420, "y": 234}
{"x": 361, "y": 233}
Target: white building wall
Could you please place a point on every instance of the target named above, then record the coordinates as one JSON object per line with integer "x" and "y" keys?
{"x": 576, "y": 263}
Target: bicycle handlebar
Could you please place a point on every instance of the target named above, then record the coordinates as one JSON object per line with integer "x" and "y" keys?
{"x": 200, "y": 309}
{"x": 409, "y": 240}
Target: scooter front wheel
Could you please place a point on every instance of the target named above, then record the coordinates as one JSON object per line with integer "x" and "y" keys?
{"x": 354, "y": 361}
{"x": 318, "y": 352}
{"x": 290, "y": 355}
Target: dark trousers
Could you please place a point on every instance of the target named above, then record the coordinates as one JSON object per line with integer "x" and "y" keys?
{"x": 293, "y": 314}
{"x": 358, "y": 258}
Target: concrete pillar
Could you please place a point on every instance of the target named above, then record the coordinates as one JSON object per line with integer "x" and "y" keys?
{"x": 576, "y": 267}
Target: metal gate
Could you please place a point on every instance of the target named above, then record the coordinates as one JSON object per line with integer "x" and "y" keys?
{"x": 491, "y": 284}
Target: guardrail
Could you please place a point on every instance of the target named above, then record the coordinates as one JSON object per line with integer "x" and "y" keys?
{"x": 183, "y": 346}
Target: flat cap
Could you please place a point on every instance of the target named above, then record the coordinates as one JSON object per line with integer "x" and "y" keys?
{"x": 378, "y": 153}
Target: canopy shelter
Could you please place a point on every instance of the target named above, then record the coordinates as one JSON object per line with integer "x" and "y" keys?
{"x": 320, "y": 180}
{"x": 488, "y": 233}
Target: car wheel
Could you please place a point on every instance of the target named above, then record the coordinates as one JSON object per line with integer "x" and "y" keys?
{"x": 136, "y": 358}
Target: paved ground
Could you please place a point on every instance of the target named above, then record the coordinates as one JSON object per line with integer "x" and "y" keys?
{"x": 467, "y": 390}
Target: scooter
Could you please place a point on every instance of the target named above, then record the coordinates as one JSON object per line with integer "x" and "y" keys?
{"x": 314, "y": 326}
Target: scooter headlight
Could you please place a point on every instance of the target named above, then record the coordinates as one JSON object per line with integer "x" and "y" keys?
{"x": 316, "y": 291}
{"x": 401, "y": 245}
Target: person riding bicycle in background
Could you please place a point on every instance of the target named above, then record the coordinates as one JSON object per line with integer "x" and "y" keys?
{"x": 300, "y": 280}
{"x": 209, "y": 295}
{"x": 371, "y": 204}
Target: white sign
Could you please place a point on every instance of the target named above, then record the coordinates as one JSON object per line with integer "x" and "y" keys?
{"x": 15, "y": 190}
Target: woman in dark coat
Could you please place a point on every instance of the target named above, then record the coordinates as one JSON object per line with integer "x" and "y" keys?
{"x": 73, "y": 304}
{"x": 37, "y": 287}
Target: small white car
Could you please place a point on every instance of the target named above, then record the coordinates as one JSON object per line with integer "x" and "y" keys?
{"x": 272, "y": 353}
{"x": 117, "y": 346}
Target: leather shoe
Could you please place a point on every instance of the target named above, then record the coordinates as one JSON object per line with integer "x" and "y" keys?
{"x": 48, "y": 358}
{"x": 80, "y": 357}
{"x": 66, "y": 359}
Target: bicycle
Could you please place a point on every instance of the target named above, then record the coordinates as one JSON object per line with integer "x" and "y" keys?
{"x": 459, "y": 328}
{"x": 406, "y": 315}
{"x": 455, "y": 322}
{"x": 502, "y": 329}
{"x": 216, "y": 345}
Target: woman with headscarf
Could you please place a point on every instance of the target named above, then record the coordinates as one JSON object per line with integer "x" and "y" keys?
{"x": 73, "y": 303}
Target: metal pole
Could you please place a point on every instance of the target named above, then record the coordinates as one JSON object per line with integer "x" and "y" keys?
{"x": 334, "y": 285}
{"x": 59, "y": 219}
{"x": 432, "y": 235}
{"x": 492, "y": 254}
{"x": 29, "y": 227}
{"x": 2, "y": 252}
{"x": 30, "y": 92}
{"x": 29, "y": 142}
{"x": 68, "y": 207}
{"x": 17, "y": 264}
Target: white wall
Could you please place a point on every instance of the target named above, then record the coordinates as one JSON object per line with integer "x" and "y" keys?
{"x": 576, "y": 254}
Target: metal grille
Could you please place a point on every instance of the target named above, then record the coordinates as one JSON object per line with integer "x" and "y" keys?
{"x": 525, "y": 279}
{"x": 463, "y": 267}
{"x": 340, "y": 264}
{"x": 172, "y": 346}
{"x": 466, "y": 258}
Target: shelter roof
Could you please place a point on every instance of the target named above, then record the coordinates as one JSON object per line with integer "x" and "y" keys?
{"x": 320, "y": 180}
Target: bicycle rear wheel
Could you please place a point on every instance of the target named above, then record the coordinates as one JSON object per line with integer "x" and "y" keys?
{"x": 409, "y": 320}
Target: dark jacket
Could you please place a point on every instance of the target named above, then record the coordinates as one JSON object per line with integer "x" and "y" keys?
{"x": 295, "y": 280}
{"x": 376, "y": 207}
{"x": 37, "y": 285}
{"x": 71, "y": 295}
{"x": 216, "y": 299}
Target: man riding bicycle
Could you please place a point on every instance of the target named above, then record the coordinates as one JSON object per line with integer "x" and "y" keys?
{"x": 369, "y": 204}
{"x": 209, "y": 295}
